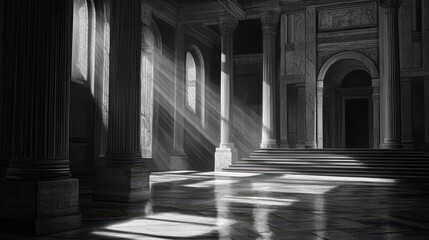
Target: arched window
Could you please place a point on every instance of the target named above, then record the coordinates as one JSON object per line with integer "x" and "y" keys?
{"x": 80, "y": 40}
{"x": 191, "y": 83}
{"x": 195, "y": 83}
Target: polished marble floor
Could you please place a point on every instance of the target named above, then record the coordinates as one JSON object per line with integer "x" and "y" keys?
{"x": 228, "y": 205}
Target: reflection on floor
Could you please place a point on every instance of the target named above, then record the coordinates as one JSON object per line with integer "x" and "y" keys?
{"x": 233, "y": 205}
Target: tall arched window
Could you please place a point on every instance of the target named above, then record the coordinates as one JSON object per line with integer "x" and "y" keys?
{"x": 191, "y": 83}
{"x": 195, "y": 83}
{"x": 80, "y": 40}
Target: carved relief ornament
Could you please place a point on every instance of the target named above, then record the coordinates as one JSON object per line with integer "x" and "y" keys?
{"x": 228, "y": 24}
{"x": 270, "y": 18}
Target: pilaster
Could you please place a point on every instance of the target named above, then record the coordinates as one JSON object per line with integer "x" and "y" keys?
{"x": 407, "y": 114}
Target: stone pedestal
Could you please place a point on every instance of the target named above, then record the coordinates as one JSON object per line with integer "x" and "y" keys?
{"x": 269, "y": 26}
{"x": 225, "y": 157}
{"x": 39, "y": 207}
{"x": 178, "y": 160}
{"x": 226, "y": 154}
{"x": 122, "y": 184}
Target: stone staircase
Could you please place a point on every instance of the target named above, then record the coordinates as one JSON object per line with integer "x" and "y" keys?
{"x": 381, "y": 163}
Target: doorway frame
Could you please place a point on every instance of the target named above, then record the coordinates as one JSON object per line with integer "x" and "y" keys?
{"x": 367, "y": 65}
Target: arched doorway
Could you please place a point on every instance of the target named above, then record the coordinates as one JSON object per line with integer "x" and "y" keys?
{"x": 348, "y": 111}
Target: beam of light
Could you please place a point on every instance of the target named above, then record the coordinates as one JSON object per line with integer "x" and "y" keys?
{"x": 166, "y": 225}
{"x": 256, "y": 200}
{"x": 200, "y": 139}
{"x": 336, "y": 178}
{"x": 291, "y": 188}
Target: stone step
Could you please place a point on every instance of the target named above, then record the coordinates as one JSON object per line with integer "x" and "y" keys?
{"x": 416, "y": 168}
{"x": 333, "y": 162}
{"x": 378, "y": 174}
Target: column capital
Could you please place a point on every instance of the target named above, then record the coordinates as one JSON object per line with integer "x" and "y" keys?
{"x": 389, "y": 4}
{"x": 270, "y": 18}
{"x": 181, "y": 30}
{"x": 228, "y": 24}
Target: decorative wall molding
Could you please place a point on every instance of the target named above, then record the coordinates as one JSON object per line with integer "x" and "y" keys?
{"x": 371, "y": 53}
{"x": 348, "y": 38}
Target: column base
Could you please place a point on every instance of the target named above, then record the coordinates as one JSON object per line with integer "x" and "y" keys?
{"x": 391, "y": 145}
{"x": 122, "y": 184}
{"x": 269, "y": 143}
{"x": 311, "y": 145}
{"x": 39, "y": 207}
{"x": 224, "y": 157}
{"x": 179, "y": 160}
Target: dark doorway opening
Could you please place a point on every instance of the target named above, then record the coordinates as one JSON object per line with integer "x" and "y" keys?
{"x": 357, "y": 128}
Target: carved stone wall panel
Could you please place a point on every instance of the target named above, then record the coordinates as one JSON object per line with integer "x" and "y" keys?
{"x": 363, "y": 16}
{"x": 299, "y": 56}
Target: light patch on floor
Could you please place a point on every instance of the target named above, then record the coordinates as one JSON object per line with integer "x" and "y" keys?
{"x": 256, "y": 200}
{"x": 166, "y": 225}
{"x": 291, "y": 188}
{"x": 211, "y": 183}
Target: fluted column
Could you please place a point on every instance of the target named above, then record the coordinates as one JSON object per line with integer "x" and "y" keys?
{"x": 269, "y": 26}
{"x": 178, "y": 158}
{"x": 5, "y": 106}
{"x": 38, "y": 192}
{"x": 226, "y": 154}
{"x": 390, "y": 85}
{"x": 124, "y": 178}
{"x": 425, "y": 54}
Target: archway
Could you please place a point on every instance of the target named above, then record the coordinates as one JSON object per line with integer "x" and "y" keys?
{"x": 348, "y": 102}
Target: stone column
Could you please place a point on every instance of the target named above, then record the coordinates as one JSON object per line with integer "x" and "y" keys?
{"x": 226, "y": 154}
{"x": 5, "y": 106}
{"x": 425, "y": 54}
{"x": 390, "y": 86}
{"x": 124, "y": 178}
{"x": 37, "y": 195}
{"x": 269, "y": 26}
{"x": 178, "y": 158}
